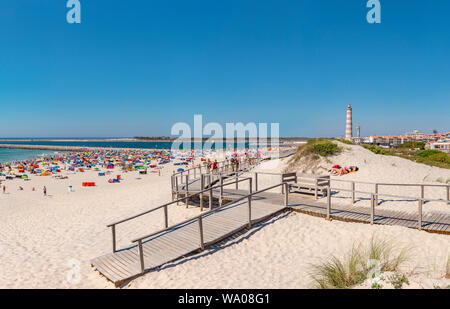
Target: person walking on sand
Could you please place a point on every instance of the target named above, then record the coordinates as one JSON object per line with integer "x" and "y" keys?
{"x": 4, "y": 189}
{"x": 45, "y": 190}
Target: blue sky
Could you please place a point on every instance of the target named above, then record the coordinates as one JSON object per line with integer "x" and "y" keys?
{"x": 137, "y": 67}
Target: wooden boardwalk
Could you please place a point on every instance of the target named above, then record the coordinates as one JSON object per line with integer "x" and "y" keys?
{"x": 435, "y": 222}
{"x": 180, "y": 241}
{"x": 216, "y": 225}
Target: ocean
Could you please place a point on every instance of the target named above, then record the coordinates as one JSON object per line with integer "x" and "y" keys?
{"x": 10, "y": 155}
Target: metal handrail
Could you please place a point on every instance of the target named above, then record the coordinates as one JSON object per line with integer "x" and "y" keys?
{"x": 175, "y": 201}
{"x": 199, "y": 218}
{"x": 392, "y": 195}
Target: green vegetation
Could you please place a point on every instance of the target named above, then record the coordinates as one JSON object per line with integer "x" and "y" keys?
{"x": 152, "y": 138}
{"x": 412, "y": 145}
{"x": 345, "y": 141}
{"x": 309, "y": 154}
{"x": 397, "y": 280}
{"x": 430, "y": 157}
{"x": 376, "y": 149}
{"x": 320, "y": 146}
{"x": 355, "y": 268}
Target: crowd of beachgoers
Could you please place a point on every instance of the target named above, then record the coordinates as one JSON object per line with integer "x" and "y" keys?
{"x": 105, "y": 162}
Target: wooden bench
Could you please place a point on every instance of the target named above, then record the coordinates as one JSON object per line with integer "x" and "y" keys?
{"x": 307, "y": 183}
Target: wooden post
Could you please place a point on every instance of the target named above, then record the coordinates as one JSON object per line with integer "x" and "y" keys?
{"x": 113, "y": 228}
{"x": 221, "y": 191}
{"x": 237, "y": 177}
{"x": 210, "y": 194}
{"x": 419, "y": 221}
{"x": 177, "y": 192}
{"x": 422, "y": 193}
{"x": 353, "y": 193}
{"x": 195, "y": 172}
{"x": 200, "y": 229}
{"x": 249, "y": 211}
{"x": 141, "y": 256}
{"x": 256, "y": 181}
{"x": 202, "y": 187}
{"x": 250, "y": 186}
{"x": 372, "y": 208}
{"x": 282, "y": 187}
{"x": 286, "y": 194}
{"x": 328, "y": 203}
{"x": 376, "y": 196}
{"x": 166, "y": 217}
{"x": 448, "y": 195}
{"x": 315, "y": 189}
{"x": 187, "y": 191}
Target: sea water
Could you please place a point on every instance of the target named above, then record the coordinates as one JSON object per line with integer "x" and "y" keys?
{"x": 11, "y": 155}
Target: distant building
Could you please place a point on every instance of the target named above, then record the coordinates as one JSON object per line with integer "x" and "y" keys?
{"x": 441, "y": 146}
{"x": 416, "y": 136}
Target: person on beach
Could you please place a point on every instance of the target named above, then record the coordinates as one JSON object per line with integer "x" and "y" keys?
{"x": 214, "y": 166}
{"x": 4, "y": 189}
{"x": 45, "y": 190}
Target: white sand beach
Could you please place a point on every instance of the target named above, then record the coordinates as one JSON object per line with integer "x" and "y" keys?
{"x": 44, "y": 238}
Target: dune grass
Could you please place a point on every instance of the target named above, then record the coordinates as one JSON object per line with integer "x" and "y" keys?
{"x": 355, "y": 268}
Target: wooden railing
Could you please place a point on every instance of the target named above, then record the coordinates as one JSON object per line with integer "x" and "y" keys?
{"x": 200, "y": 217}
{"x": 165, "y": 206}
{"x": 374, "y": 198}
{"x": 376, "y": 185}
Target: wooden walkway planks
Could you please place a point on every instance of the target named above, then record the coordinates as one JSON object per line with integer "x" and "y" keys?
{"x": 178, "y": 242}
{"x": 431, "y": 222}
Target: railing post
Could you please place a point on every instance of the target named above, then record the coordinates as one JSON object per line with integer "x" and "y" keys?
{"x": 202, "y": 187}
{"x": 376, "y": 196}
{"x": 353, "y": 193}
{"x": 372, "y": 208}
{"x": 281, "y": 180}
{"x": 221, "y": 191}
{"x": 195, "y": 172}
{"x": 172, "y": 186}
{"x": 286, "y": 194}
{"x": 166, "y": 217}
{"x": 237, "y": 177}
{"x": 448, "y": 195}
{"x": 422, "y": 193}
{"x": 113, "y": 228}
{"x": 187, "y": 191}
{"x": 419, "y": 221}
{"x": 256, "y": 181}
{"x": 328, "y": 203}
{"x": 200, "y": 229}
{"x": 178, "y": 194}
{"x": 315, "y": 189}
{"x": 249, "y": 211}
{"x": 210, "y": 193}
{"x": 141, "y": 255}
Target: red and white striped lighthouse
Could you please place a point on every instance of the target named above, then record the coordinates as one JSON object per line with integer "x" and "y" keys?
{"x": 348, "y": 124}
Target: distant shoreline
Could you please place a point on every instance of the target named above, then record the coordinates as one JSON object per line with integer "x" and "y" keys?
{"x": 252, "y": 140}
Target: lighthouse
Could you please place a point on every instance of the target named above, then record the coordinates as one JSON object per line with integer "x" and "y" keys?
{"x": 348, "y": 124}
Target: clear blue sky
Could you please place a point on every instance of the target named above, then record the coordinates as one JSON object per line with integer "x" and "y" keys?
{"x": 137, "y": 67}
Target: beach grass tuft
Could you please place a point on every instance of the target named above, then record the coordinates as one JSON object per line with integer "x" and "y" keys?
{"x": 355, "y": 268}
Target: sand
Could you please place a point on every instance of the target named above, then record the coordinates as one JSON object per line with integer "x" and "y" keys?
{"x": 44, "y": 239}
